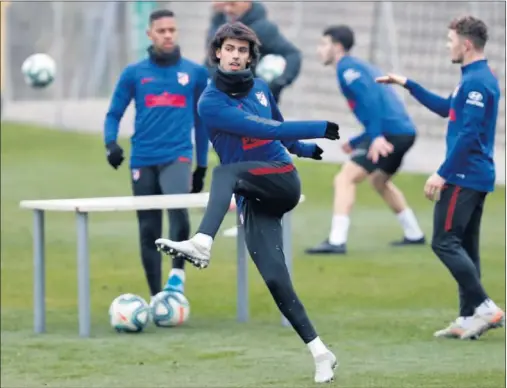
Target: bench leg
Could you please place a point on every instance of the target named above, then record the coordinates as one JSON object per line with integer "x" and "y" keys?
{"x": 83, "y": 274}
{"x": 39, "y": 273}
{"x": 287, "y": 250}
{"x": 242, "y": 274}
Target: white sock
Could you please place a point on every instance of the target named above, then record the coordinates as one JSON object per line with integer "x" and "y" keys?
{"x": 339, "y": 230}
{"x": 317, "y": 347}
{"x": 203, "y": 240}
{"x": 179, "y": 273}
{"x": 410, "y": 225}
{"x": 485, "y": 307}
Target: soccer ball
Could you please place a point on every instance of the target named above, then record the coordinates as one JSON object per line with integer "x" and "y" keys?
{"x": 169, "y": 309}
{"x": 39, "y": 70}
{"x": 270, "y": 67}
{"x": 129, "y": 313}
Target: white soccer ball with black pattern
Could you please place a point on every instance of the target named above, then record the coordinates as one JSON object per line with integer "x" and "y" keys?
{"x": 129, "y": 313}
{"x": 169, "y": 309}
{"x": 39, "y": 70}
{"x": 270, "y": 67}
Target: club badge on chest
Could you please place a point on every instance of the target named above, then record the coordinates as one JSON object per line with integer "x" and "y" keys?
{"x": 262, "y": 98}
{"x": 183, "y": 78}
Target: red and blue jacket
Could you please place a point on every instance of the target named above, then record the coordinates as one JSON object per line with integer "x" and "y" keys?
{"x": 377, "y": 107}
{"x": 166, "y": 111}
{"x": 472, "y": 110}
{"x": 252, "y": 128}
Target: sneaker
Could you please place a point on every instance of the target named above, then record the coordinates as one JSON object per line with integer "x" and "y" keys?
{"x": 193, "y": 252}
{"x": 408, "y": 242}
{"x": 325, "y": 365}
{"x": 327, "y": 248}
{"x": 454, "y": 330}
{"x": 483, "y": 321}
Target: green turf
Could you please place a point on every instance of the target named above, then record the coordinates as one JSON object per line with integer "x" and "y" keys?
{"x": 377, "y": 307}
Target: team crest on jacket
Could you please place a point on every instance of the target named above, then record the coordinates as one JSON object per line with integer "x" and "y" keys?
{"x": 262, "y": 98}
{"x": 183, "y": 78}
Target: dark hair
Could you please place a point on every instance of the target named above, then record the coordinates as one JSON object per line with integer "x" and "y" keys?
{"x": 237, "y": 31}
{"x": 472, "y": 29}
{"x": 341, "y": 34}
{"x": 161, "y": 13}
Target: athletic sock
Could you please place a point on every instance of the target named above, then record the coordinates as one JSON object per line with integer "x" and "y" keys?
{"x": 203, "y": 240}
{"x": 410, "y": 225}
{"x": 178, "y": 272}
{"x": 317, "y": 347}
{"x": 339, "y": 230}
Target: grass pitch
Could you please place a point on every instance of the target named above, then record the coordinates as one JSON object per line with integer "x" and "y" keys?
{"x": 377, "y": 307}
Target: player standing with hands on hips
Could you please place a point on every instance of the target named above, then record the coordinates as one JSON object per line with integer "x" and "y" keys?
{"x": 466, "y": 176}
{"x": 251, "y": 139}
{"x": 165, "y": 88}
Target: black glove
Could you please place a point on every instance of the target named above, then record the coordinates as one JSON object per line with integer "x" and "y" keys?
{"x": 332, "y": 131}
{"x": 114, "y": 154}
{"x": 317, "y": 153}
{"x": 198, "y": 179}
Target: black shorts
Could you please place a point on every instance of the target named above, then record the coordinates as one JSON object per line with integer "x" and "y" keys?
{"x": 389, "y": 164}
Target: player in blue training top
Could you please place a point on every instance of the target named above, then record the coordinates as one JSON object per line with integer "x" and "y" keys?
{"x": 378, "y": 152}
{"x": 165, "y": 88}
{"x": 467, "y": 174}
{"x": 251, "y": 139}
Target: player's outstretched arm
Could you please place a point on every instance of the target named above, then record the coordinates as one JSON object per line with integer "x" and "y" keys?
{"x": 432, "y": 101}
{"x": 295, "y": 147}
{"x": 217, "y": 114}
{"x": 122, "y": 95}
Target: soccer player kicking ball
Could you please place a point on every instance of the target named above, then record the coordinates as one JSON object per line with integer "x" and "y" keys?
{"x": 251, "y": 139}
{"x": 165, "y": 87}
{"x": 378, "y": 152}
{"x": 466, "y": 176}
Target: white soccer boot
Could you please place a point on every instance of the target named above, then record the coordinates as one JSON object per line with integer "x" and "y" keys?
{"x": 455, "y": 329}
{"x": 484, "y": 319}
{"x": 194, "y": 251}
{"x": 325, "y": 364}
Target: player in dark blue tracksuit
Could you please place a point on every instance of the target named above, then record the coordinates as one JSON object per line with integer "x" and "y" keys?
{"x": 251, "y": 139}
{"x": 467, "y": 174}
{"x": 386, "y": 125}
{"x": 165, "y": 88}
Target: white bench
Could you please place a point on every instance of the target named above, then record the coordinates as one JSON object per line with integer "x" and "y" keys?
{"x": 82, "y": 206}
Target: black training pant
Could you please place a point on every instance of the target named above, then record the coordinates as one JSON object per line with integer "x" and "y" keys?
{"x": 269, "y": 189}
{"x": 456, "y": 229}
{"x": 170, "y": 178}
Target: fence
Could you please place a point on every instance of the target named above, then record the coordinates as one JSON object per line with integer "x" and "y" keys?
{"x": 93, "y": 41}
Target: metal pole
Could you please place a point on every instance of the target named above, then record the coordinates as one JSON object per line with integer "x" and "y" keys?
{"x": 242, "y": 272}
{"x": 390, "y": 24}
{"x": 39, "y": 273}
{"x": 58, "y": 33}
{"x": 287, "y": 250}
{"x": 83, "y": 274}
